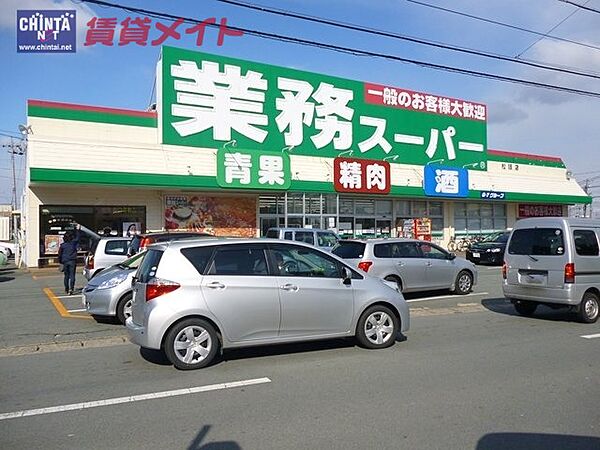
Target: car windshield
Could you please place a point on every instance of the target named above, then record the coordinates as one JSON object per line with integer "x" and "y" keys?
{"x": 133, "y": 262}
{"x": 497, "y": 237}
{"x": 349, "y": 249}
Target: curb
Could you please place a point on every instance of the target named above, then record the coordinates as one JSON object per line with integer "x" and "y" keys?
{"x": 50, "y": 347}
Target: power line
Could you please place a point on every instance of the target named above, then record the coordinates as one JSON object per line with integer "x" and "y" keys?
{"x": 378, "y": 32}
{"x": 587, "y": 8}
{"x": 354, "y": 51}
{"x": 572, "y": 13}
{"x": 503, "y": 24}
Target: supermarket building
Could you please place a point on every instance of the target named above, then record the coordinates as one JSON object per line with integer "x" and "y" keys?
{"x": 235, "y": 147}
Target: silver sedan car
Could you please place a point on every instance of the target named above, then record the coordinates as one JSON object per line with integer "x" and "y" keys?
{"x": 412, "y": 264}
{"x": 193, "y": 298}
{"x": 109, "y": 293}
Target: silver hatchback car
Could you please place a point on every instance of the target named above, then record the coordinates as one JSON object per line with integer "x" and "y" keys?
{"x": 109, "y": 293}
{"x": 412, "y": 264}
{"x": 193, "y": 298}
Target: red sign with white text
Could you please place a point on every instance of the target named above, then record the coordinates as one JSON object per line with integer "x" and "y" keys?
{"x": 526, "y": 210}
{"x": 361, "y": 175}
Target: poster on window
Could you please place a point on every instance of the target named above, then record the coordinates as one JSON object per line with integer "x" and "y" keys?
{"x": 221, "y": 216}
{"x": 52, "y": 243}
{"x": 130, "y": 229}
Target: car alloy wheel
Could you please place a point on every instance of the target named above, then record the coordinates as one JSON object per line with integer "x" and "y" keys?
{"x": 464, "y": 283}
{"x": 191, "y": 344}
{"x": 377, "y": 327}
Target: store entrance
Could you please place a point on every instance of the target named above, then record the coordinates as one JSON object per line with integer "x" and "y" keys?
{"x": 383, "y": 228}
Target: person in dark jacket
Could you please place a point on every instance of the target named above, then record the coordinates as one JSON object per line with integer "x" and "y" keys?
{"x": 67, "y": 256}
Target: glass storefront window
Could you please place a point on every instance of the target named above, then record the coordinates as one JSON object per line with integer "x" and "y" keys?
{"x": 364, "y": 228}
{"x": 419, "y": 209}
{"x": 329, "y": 204}
{"x": 55, "y": 220}
{"x": 436, "y": 209}
{"x": 312, "y": 204}
{"x": 383, "y": 207}
{"x": 346, "y": 206}
{"x": 294, "y": 204}
{"x": 473, "y": 218}
{"x": 403, "y": 208}
{"x": 267, "y": 204}
{"x": 295, "y": 222}
{"x": 346, "y": 227}
{"x": 313, "y": 222}
{"x": 365, "y": 207}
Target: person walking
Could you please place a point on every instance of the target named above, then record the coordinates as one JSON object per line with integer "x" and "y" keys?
{"x": 67, "y": 256}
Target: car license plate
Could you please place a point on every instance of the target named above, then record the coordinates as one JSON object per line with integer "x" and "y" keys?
{"x": 476, "y": 255}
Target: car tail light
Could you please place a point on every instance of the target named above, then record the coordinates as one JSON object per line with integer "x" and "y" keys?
{"x": 504, "y": 270}
{"x": 89, "y": 264}
{"x": 570, "y": 273}
{"x": 157, "y": 287}
{"x": 365, "y": 265}
{"x": 145, "y": 242}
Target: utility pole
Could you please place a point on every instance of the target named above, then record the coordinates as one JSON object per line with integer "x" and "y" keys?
{"x": 586, "y": 188}
{"x": 14, "y": 149}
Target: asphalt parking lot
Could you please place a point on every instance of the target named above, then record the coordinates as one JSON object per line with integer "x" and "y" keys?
{"x": 469, "y": 374}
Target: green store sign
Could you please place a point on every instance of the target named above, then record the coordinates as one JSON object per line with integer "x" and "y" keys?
{"x": 207, "y": 101}
{"x": 253, "y": 169}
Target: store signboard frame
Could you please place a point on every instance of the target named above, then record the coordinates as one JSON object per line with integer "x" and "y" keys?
{"x": 206, "y": 101}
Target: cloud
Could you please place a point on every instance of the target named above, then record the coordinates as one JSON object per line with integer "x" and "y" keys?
{"x": 500, "y": 112}
{"x": 8, "y": 14}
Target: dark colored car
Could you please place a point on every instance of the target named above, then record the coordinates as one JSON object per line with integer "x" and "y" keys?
{"x": 490, "y": 250}
{"x": 141, "y": 241}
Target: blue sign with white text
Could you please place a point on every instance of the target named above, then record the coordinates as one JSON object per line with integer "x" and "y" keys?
{"x": 46, "y": 31}
{"x": 442, "y": 181}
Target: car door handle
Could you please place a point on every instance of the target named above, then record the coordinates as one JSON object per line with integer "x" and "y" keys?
{"x": 215, "y": 285}
{"x": 289, "y": 287}
{"x": 428, "y": 264}
{"x": 400, "y": 263}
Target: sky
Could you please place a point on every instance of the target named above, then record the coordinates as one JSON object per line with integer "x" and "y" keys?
{"x": 521, "y": 119}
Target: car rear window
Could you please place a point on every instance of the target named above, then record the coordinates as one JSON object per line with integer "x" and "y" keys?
{"x": 349, "y": 250}
{"x": 586, "y": 242}
{"x": 116, "y": 247}
{"x": 325, "y": 239}
{"x": 305, "y": 236}
{"x": 147, "y": 269}
{"x": 273, "y": 234}
{"x": 198, "y": 256}
{"x": 537, "y": 241}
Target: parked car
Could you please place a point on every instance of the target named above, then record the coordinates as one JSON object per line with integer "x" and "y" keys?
{"x": 489, "y": 250}
{"x": 324, "y": 239}
{"x": 109, "y": 293}
{"x": 412, "y": 264}
{"x": 105, "y": 252}
{"x": 192, "y": 298}
{"x": 140, "y": 242}
{"x": 554, "y": 261}
{"x": 8, "y": 248}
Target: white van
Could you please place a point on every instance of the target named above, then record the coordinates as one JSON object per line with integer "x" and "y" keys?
{"x": 324, "y": 239}
{"x": 554, "y": 261}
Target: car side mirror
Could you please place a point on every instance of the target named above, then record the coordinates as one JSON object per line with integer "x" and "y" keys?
{"x": 452, "y": 256}
{"x": 346, "y": 276}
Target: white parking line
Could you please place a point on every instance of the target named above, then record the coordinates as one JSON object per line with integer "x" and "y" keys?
{"x": 591, "y": 336}
{"x": 132, "y": 398}
{"x": 446, "y": 296}
{"x": 68, "y": 296}
{"x": 77, "y": 310}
